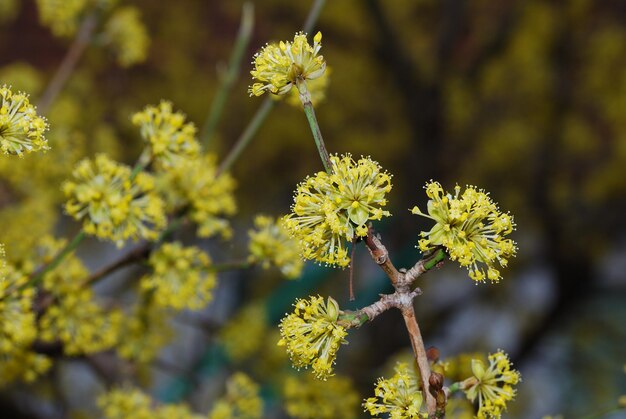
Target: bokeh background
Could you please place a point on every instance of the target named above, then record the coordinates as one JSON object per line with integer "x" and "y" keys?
{"x": 526, "y": 99}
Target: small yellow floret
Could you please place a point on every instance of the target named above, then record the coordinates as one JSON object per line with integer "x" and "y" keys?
{"x": 312, "y": 336}
{"x": 277, "y": 67}
{"x": 308, "y": 398}
{"x": 399, "y": 396}
{"x": 330, "y": 210}
{"x": 181, "y": 278}
{"x": 491, "y": 385}
{"x": 127, "y": 36}
{"x": 111, "y": 205}
{"x": 21, "y": 129}
{"x": 242, "y": 400}
{"x": 270, "y": 244}
{"x": 471, "y": 228}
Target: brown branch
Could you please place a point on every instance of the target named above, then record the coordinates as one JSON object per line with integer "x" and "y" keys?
{"x": 403, "y": 300}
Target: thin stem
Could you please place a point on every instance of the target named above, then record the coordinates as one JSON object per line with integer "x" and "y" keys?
{"x": 234, "y": 65}
{"x": 305, "y": 98}
{"x": 247, "y": 135}
{"x": 67, "y": 66}
{"x": 69, "y": 248}
{"x": 314, "y": 14}
{"x": 408, "y": 313}
{"x": 132, "y": 257}
{"x": 268, "y": 103}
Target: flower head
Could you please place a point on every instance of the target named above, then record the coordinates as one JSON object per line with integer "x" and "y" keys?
{"x": 492, "y": 386}
{"x": 277, "y": 67}
{"x": 312, "y": 336}
{"x": 471, "y": 227}
{"x": 111, "y": 204}
{"x": 21, "y": 129}
{"x": 243, "y": 335}
{"x": 242, "y": 400}
{"x": 329, "y": 210}
{"x": 399, "y": 396}
{"x": 308, "y": 398}
{"x": 196, "y": 183}
{"x": 180, "y": 277}
{"x": 270, "y": 244}
{"x": 169, "y": 138}
{"x": 128, "y": 36}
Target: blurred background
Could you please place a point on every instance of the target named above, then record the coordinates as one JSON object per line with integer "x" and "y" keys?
{"x": 526, "y": 99}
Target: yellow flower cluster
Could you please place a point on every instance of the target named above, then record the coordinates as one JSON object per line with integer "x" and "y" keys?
{"x": 312, "y": 336}
{"x": 244, "y": 334}
{"x": 168, "y": 137}
{"x": 61, "y": 15}
{"x": 128, "y": 402}
{"x": 398, "y": 396}
{"x": 180, "y": 277}
{"x": 330, "y": 209}
{"x": 17, "y": 327}
{"x": 21, "y": 129}
{"x": 127, "y": 36}
{"x": 144, "y": 333}
{"x": 209, "y": 196}
{"x": 111, "y": 204}
{"x": 81, "y": 324}
{"x": 492, "y": 385}
{"x": 308, "y": 398}
{"x": 271, "y": 244}
{"x": 470, "y": 227}
{"x": 277, "y": 67}
{"x": 241, "y": 401}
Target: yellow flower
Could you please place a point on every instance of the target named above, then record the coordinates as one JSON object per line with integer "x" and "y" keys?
{"x": 244, "y": 334}
{"x": 492, "y": 386}
{"x": 330, "y": 209}
{"x": 195, "y": 183}
{"x": 471, "y": 228}
{"x": 111, "y": 205}
{"x": 181, "y": 278}
{"x": 127, "y": 36}
{"x": 316, "y": 88}
{"x": 21, "y": 129}
{"x": 277, "y": 67}
{"x": 169, "y": 138}
{"x": 398, "y": 396}
{"x": 308, "y": 398}
{"x": 312, "y": 336}
{"x": 241, "y": 401}
{"x": 270, "y": 244}
{"x": 61, "y": 16}
{"x": 144, "y": 332}
{"x": 127, "y": 402}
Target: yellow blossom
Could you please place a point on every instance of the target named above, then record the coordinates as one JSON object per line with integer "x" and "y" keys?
{"x": 491, "y": 385}
{"x": 277, "y": 67}
{"x": 331, "y": 209}
{"x": 21, "y": 129}
{"x": 398, "y": 396}
{"x": 180, "y": 277}
{"x": 144, "y": 332}
{"x": 270, "y": 244}
{"x": 111, "y": 204}
{"x": 472, "y": 229}
{"x": 61, "y": 16}
{"x": 195, "y": 183}
{"x": 127, "y": 402}
{"x": 241, "y": 401}
{"x": 308, "y": 398}
{"x": 312, "y": 336}
{"x": 168, "y": 137}
{"x": 127, "y": 36}
{"x": 244, "y": 334}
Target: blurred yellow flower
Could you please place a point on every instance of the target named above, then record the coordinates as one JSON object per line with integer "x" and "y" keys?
{"x": 270, "y": 244}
